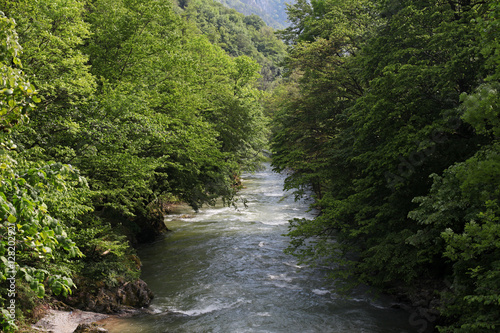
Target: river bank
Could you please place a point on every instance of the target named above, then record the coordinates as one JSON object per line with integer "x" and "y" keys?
{"x": 57, "y": 321}
{"x": 74, "y": 320}
{"x": 86, "y": 306}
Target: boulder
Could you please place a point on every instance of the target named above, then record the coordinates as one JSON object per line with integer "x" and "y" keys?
{"x": 89, "y": 328}
{"x": 112, "y": 300}
{"x": 136, "y": 294}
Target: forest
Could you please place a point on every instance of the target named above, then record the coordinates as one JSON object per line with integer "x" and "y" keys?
{"x": 111, "y": 112}
{"x": 389, "y": 113}
{"x": 386, "y": 112}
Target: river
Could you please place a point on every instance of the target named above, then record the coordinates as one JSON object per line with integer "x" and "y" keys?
{"x": 224, "y": 270}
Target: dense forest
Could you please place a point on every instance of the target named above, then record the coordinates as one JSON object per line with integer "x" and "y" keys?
{"x": 389, "y": 114}
{"x": 386, "y": 112}
{"x": 112, "y": 111}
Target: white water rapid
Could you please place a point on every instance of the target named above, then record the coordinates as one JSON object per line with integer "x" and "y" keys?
{"x": 224, "y": 270}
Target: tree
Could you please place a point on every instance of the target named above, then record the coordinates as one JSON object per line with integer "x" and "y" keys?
{"x": 32, "y": 197}
{"x": 376, "y": 113}
{"x": 312, "y": 134}
{"x": 466, "y": 230}
{"x": 144, "y": 133}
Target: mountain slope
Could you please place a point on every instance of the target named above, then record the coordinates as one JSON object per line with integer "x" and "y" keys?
{"x": 271, "y": 11}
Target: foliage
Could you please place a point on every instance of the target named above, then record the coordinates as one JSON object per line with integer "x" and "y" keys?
{"x": 311, "y": 135}
{"x": 18, "y": 96}
{"x": 134, "y": 107}
{"x": 109, "y": 260}
{"x": 461, "y": 218}
{"x": 157, "y": 123}
{"x": 389, "y": 116}
{"x": 33, "y": 197}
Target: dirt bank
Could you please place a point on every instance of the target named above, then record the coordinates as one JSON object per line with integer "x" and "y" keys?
{"x": 57, "y": 321}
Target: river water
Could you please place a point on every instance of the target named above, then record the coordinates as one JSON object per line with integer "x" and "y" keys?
{"x": 224, "y": 270}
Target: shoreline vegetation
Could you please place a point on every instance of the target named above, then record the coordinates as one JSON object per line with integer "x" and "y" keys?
{"x": 389, "y": 114}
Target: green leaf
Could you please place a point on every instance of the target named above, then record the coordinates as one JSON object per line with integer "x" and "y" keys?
{"x": 34, "y": 284}
{"x": 12, "y": 219}
{"x": 40, "y": 291}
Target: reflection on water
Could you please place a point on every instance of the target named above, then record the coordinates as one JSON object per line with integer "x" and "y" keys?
{"x": 224, "y": 270}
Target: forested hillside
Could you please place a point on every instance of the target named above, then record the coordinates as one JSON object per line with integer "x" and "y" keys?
{"x": 271, "y": 11}
{"x": 389, "y": 114}
{"x": 111, "y": 111}
{"x": 238, "y": 35}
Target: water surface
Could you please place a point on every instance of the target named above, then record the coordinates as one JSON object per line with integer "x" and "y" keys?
{"x": 224, "y": 270}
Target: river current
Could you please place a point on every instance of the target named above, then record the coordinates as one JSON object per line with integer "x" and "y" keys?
{"x": 224, "y": 270}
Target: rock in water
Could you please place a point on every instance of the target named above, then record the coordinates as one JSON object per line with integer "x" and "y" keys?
{"x": 112, "y": 300}
{"x": 89, "y": 328}
{"x": 136, "y": 294}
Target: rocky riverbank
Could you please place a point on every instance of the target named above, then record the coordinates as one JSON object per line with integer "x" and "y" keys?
{"x": 111, "y": 300}
{"x": 86, "y": 306}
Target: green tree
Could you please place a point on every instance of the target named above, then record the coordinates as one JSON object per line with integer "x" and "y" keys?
{"x": 33, "y": 196}
{"x": 374, "y": 113}
{"x": 312, "y": 133}
{"x": 173, "y": 83}
{"x": 465, "y": 232}
{"x": 459, "y": 222}
{"x": 144, "y": 134}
